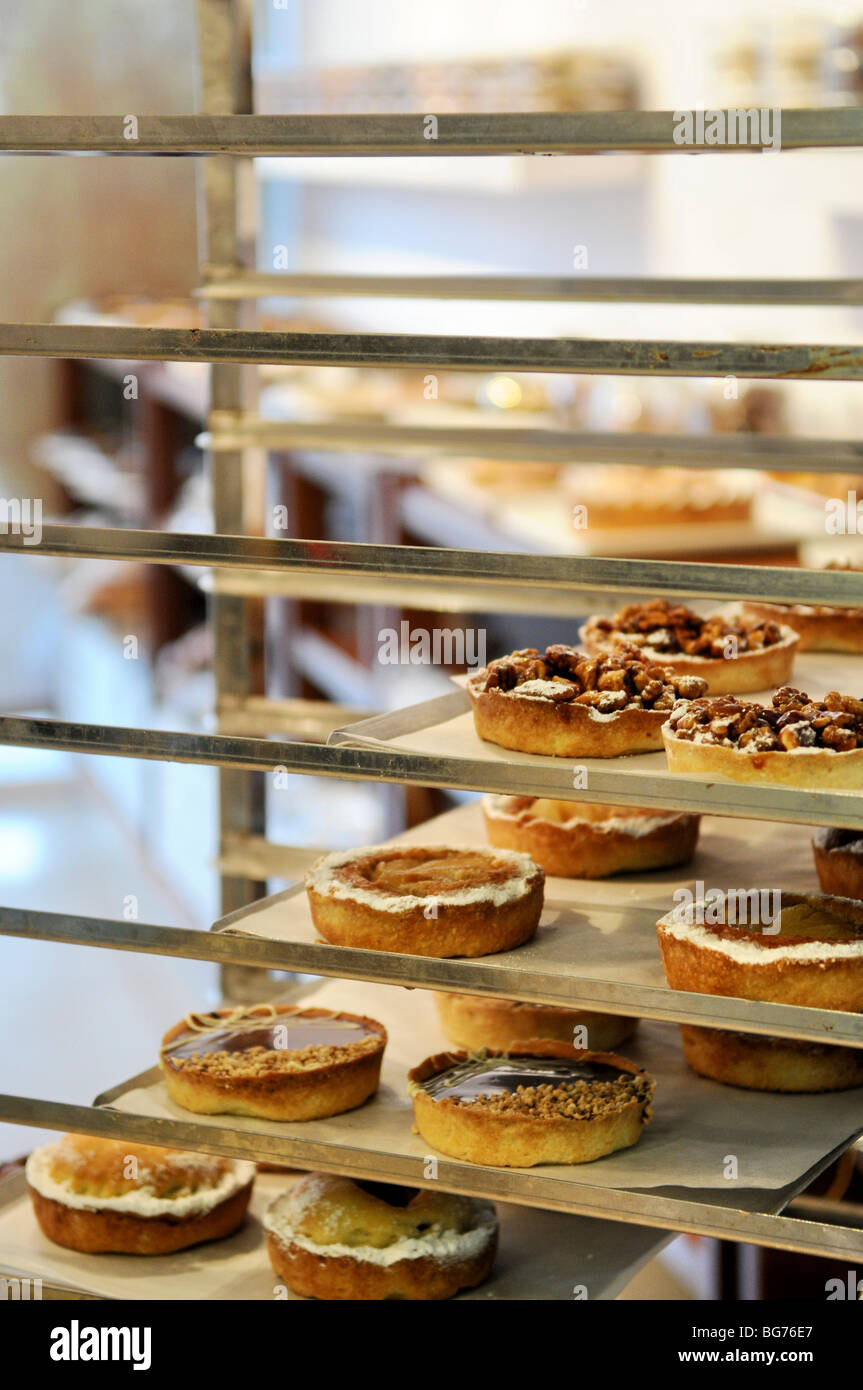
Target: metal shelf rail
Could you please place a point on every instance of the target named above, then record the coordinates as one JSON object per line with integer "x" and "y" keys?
{"x": 227, "y": 134}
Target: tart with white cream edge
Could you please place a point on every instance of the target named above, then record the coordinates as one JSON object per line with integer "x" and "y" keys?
{"x": 113, "y": 1195}
{"x": 789, "y": 948}
{"x": 426, "y": 900}
{"x": 332, "y": 1238}
{"x": 585, "y": 839}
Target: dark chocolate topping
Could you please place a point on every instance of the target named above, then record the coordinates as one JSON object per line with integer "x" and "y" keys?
{"x": 273, "y": 1034}
{"x": 496, "y": 1075}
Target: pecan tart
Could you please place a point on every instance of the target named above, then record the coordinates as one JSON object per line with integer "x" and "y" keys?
{"x": 542, "y": 1102}
{"x": 584, "y": 839}
{"x": 476, "y": 1020}
{"x": 839, "y": 861}
{"x": 112, "y": 1195}
{"x": 273, "y": 1061}
{"x": 567, "y": 704}
{"x": 333, "y": 1238}
{"x": 789, "y": 948}
{"x": 733, "y": 655}
{"x": 426, "y": 900}
{"x": 794, "y": 741}
{"x": 820, "y": 627}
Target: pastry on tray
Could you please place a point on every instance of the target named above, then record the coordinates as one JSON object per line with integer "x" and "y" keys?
{"x": 336, "y": 1239}
{"x": 475, "y": 1021}
{"x": 541, "y": 1102}
{"x": 113, "y": 1195}
{"x": 426, "y": 900}
{"x": 820, "y": 627}
{"x": 637, "y": 496}
{"x": 567, "y": 704}
{"x": 585, "y": 839}
{"x": 839, "y": 861}
{"x": 273, "y": 1061}
{"x": 788, "y": 948}
{"x": 736, "y": 655}
{"x": 771, "y": 1064}
{"x": 794, "y": 742}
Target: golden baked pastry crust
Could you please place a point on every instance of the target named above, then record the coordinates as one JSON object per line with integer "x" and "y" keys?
{"x": 103, "y": 1232}
{"x": 765, "y": 655}
{"x": 770, "y": 1064}
{"x": 327, "y": 1087}
{"x": 794, "y": 741}
{"x": 586, "y": 845}
{"x": 828, "y": 982}
{"x": 839, "y": 862}
{"x": 105, "y": 1170}
{"x": 511, "y": 1140}
{"x": 819, "y": 627}
{"x": 467, "y": 902}
{"x": 327, "y": 1210}
{"x": 474, "y": 1021}
{"x": 567, "y": 704}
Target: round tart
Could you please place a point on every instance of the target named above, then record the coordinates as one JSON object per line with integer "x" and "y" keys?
{"x": 770, "y": 1064}
{"x": 808, "y": 952}
{"x": 583, "y": 839}
{"x": 542, "y": 1102}
{"x": 426, "y": 900}
{"x": 839, "y": 861}
{"x": 474, "y": 1021}
{"x": 332, "y": 1238}
{"x": 731, "y": 654}
{"x": 820, "y": 627}
{"x": 101, "y": 1195}
{"x": 566, "y": 704}
{"x": 636, "y": 496}
{"x": 794, "y": 742}
{"x": 273, "y": 1061}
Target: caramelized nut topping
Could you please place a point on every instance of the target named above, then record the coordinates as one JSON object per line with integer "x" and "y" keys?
{"x": 579, "y": 1100}
{"x": 624, "y": 679}
{"x": 793, "y": 721}
{"x": 671, "y": 629}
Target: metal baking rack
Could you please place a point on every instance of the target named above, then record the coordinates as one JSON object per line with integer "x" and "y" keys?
{"x": 227, "y": 137}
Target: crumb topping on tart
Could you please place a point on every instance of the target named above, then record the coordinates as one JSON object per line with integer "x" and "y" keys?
{"x": 540, "y": 1087}
{"x": 244, "y": 1044}
{"x": 397, "y": 878}
{"x": 606, "y": 684}
{"x": 834, "y": 838}
{"x": 793, "y": 721}
{"x": 671, "y": 629}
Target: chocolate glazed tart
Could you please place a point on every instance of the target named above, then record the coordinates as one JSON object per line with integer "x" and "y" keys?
{"x": 543, "y": 1102}
{"x": 273, "y": 1061}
